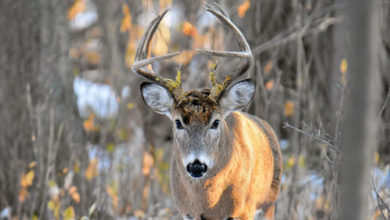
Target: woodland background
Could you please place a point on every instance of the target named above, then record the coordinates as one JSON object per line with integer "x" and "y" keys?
{"x": 77, "y": 142}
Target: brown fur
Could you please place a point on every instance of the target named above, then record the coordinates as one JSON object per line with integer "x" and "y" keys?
{"x": 196, "y": 107}
{"x": 245, "y": 178}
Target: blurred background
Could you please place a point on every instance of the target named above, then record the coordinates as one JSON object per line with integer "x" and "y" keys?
{"x": 77, "y": 142}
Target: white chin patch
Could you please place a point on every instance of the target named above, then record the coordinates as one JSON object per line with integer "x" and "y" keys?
{"x": 202, "y": 157}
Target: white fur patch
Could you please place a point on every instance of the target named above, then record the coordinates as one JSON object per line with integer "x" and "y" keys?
{"x": 202, "y": 157}
{"x": 188, "y": 159}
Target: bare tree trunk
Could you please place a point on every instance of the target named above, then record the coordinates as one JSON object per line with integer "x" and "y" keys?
{"x": 360, "y": 126}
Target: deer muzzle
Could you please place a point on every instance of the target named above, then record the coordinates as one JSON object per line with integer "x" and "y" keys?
{"x": 196, "y": 169}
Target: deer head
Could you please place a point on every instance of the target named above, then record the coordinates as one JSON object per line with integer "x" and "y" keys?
{"x": 198, "y": 116}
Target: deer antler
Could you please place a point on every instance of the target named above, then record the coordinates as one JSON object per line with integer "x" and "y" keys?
{"x": 217, "y": 88}
{"x": 141, "y": 60}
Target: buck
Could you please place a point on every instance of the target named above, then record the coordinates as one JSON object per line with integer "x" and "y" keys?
{"x": 225, "y": 164}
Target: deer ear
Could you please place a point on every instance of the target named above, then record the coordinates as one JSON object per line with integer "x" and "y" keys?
{"x": 238, "y": 96}
{"x": 158, "y": 98}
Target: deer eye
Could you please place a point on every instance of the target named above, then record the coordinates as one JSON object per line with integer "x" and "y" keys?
{"x": 178, "y": 124}
{"x": 215, "y": 124}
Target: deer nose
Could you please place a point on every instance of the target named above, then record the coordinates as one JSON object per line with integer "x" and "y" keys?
{"x": 196, "y": 169}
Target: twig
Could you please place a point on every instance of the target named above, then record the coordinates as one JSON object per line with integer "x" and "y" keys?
{"x": 379, "y": 200}
{"x": 316, "y": 137}
{"x": 289, "y": 35}
{"x": 339, "y": 113}
{"x": 381, "y": 203}
{"x": 285, "y": 37}
{"x": 384, "y": 104}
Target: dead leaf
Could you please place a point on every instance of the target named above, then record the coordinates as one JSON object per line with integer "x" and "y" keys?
{"x": 77, "y": 7}
{"x": 289, "y": 108}
{"x": 110, "y": 147}
{"x": 148, "y": 162}
{"x": 376, "y": 157}
{"x": 301, "y": 161}
{"x": 92, "y": 170}
{"x": 76, "y": 167}
{"x": 27, "y": 179}
{"x": 68, "y": 213}
{"x": 55, "y": 207}
{"x": 72, "y": 190}
{"x": 268, "y": 67}
{"x": 343, "y": 65}
{"x": 122, "y": 134}
{"x": 269, "y": 85}
{"x": 92, "y": 57}
{"x": 243, "y": 8}
{"x": 32, "y": 164}
{"x": 89, "y": 124}
{"x": 76, "y": 197}
{"x": 291, "y": 161}
{"x": 112, "y": 191}
{"x": 139, "y": 213}
{"x": 126, "y": 21}
{"x": 189, "y": 30}
{"x": 23, "y": 194}
{"x": 130, "y": 105}
{"x": 343, "y": 70}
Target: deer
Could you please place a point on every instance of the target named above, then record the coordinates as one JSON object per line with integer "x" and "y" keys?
{"x": 225, "y": 164}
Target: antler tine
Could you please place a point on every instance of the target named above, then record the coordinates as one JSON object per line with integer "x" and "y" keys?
{"x": 243, "y": 44}
{"x": 240, "y": 37}
{"x": 148, "y": 34}
{"x": 214, "y": 4}
{"x": 141, "y": 54}
{"x": 141, "y": 59}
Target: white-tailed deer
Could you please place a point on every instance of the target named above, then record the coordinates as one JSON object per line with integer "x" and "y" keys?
{"x": 225, "y": 164}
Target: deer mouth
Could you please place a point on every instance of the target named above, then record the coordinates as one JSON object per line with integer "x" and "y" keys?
{"x": 196, "y": 169}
